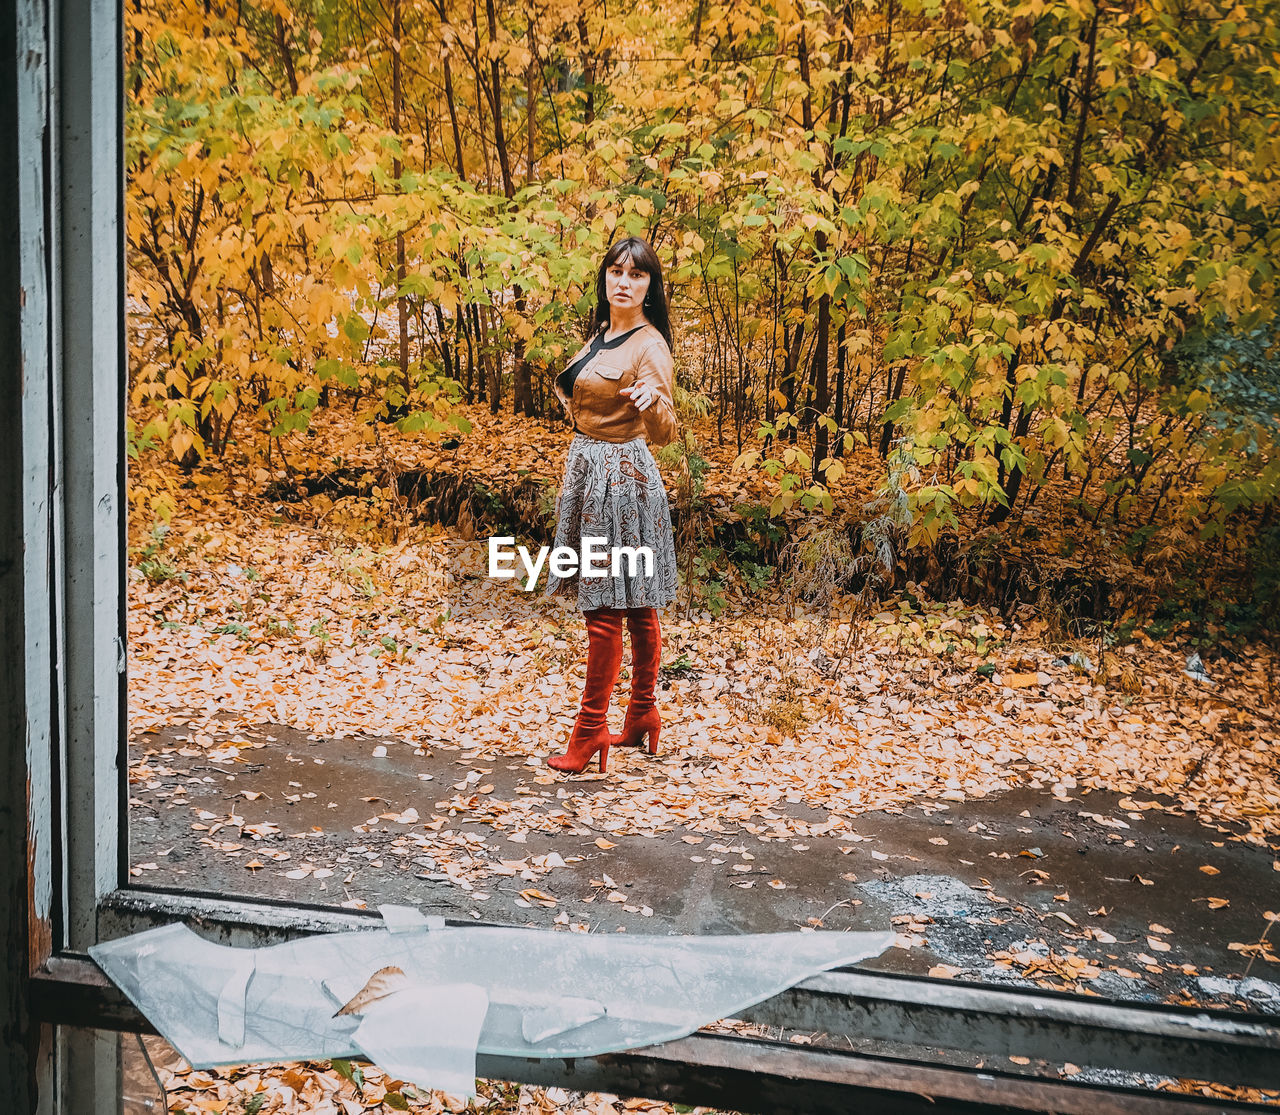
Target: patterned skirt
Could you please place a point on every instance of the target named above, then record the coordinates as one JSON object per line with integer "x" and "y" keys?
{"x": 615, "y": 492}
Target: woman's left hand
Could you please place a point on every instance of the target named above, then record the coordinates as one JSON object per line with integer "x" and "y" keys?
{"x": 640, "y": 394}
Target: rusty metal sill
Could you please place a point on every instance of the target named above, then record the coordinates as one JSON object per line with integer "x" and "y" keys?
{"x": 915, "y": 1016}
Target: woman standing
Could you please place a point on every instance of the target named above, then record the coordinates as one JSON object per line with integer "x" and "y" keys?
{"x": 618, "y": 389}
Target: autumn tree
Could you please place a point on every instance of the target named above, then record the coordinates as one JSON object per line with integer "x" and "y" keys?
{"x": 976, "y": 234}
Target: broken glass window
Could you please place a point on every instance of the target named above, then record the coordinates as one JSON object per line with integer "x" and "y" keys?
{"x": 420, "y": 999}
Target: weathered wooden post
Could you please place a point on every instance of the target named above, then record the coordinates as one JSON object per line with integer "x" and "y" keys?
{"x": 61, "y": 485}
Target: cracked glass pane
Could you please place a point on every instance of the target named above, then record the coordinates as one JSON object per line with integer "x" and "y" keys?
{"x": 532, "y": 993}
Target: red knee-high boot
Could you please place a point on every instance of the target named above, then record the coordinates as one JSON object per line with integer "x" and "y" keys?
{"x": 646, "y": 655}
{"x": 604, "y": 660}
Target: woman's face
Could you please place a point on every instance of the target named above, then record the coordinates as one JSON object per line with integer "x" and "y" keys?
{"x": 625, "y": 284}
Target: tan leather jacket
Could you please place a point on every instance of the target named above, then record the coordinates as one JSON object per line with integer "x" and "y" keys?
{"x": 597, "y": 409}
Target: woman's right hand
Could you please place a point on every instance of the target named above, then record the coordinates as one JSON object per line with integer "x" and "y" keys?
{"x": 640, "y": 394}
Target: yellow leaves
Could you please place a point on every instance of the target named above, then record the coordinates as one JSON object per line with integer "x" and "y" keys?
{"x": 183, "y": 441}
{"x": 793, "y": 455}
{"x": 1237, "y": 290}
{"x": 1057, "y": 431}
{"x": 161, "y": 506}
{"x": 225, "y": 407}
{"x": 1178, "y": 235}
{"x": 1038, "y": 159}
{"x": 833, "y": 469}
{"x": 518, "y": 57}
{"x": 1262, "y": 949}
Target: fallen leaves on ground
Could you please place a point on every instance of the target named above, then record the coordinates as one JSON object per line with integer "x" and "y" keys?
{"x": 346, "y": 1088}
{"x": 266, "y": 624}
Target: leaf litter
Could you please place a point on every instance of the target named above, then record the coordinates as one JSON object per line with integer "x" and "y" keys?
{"x": 497, "y": 673}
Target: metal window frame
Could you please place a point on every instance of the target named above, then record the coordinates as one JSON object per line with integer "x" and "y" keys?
{"x": 63, "y": 802}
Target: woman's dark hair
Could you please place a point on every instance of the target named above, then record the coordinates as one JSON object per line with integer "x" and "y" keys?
{"x": 655, "y": 300}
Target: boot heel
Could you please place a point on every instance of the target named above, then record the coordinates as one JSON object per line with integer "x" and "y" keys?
{"x": 653, "y": 741}
{"x": 591, "y": 734}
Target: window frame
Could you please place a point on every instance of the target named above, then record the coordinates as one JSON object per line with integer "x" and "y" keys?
{"x": 63, "y": 806}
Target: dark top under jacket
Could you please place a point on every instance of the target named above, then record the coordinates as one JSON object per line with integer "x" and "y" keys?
{"x": 567, "y": 377}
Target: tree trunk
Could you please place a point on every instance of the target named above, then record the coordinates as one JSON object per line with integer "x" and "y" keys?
{"x": 1002, "y": 511}
{"x": 402, "y": 303}
{"x": 530, "y": 101}
{"x": 446, "y": 349}
{"x": 588, "y": 60}
{"x": 1086, "y": 95}
{"x": 286, "y": 55}
{"x": 822, "y": 390}
{"x": 451, "y": 101}
{"x": 838, "y": 449}
{"x": 495, "y": 105}
{"x": 895, "y": 393}
{"x": 480, "y": 95}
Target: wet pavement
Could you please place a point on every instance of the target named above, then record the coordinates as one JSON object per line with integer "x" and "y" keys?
{"x": 1098, "y": 893}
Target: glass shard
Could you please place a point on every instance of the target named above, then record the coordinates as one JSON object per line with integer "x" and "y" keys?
{"x": 545, "y": 994}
